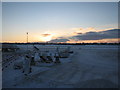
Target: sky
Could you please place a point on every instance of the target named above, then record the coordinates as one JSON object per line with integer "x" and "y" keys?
{"x": 60, "y": 21}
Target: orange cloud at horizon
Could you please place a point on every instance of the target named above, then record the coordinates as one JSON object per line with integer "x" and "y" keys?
{"x": 45, "y": 35}
{"x": 89, "y": 29}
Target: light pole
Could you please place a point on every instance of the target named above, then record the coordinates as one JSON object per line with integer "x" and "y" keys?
{"x": 27, "y": 41}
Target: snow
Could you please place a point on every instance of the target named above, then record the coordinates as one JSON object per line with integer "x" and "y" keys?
{"x": 89, "y": 66}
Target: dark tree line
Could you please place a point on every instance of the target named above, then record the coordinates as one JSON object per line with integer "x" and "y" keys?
{"x": 37, "y": 43}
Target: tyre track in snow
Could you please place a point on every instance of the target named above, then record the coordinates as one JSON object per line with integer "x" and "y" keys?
{"x": 65, "y": 72}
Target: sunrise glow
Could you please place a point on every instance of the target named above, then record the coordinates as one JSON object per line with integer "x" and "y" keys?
{"x": 60, "y": 22}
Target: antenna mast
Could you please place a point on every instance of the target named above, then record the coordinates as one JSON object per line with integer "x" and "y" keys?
{"x": 27, "y": 41}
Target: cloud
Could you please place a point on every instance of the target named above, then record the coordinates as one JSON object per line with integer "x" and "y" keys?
{"x": 91, "y": 36}
{"x": 61, "y": 38}
{"x": 79, "y": 33}
{"x": 97, "y": 35}
{"x": 58, "y": 40}
{"x": 45, "y": 35}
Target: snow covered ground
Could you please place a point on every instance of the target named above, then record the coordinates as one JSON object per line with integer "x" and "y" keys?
{"x": 90, "y": 66}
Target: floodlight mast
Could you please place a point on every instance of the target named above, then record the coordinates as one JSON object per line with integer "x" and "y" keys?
{"x": 27, "y": 41}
